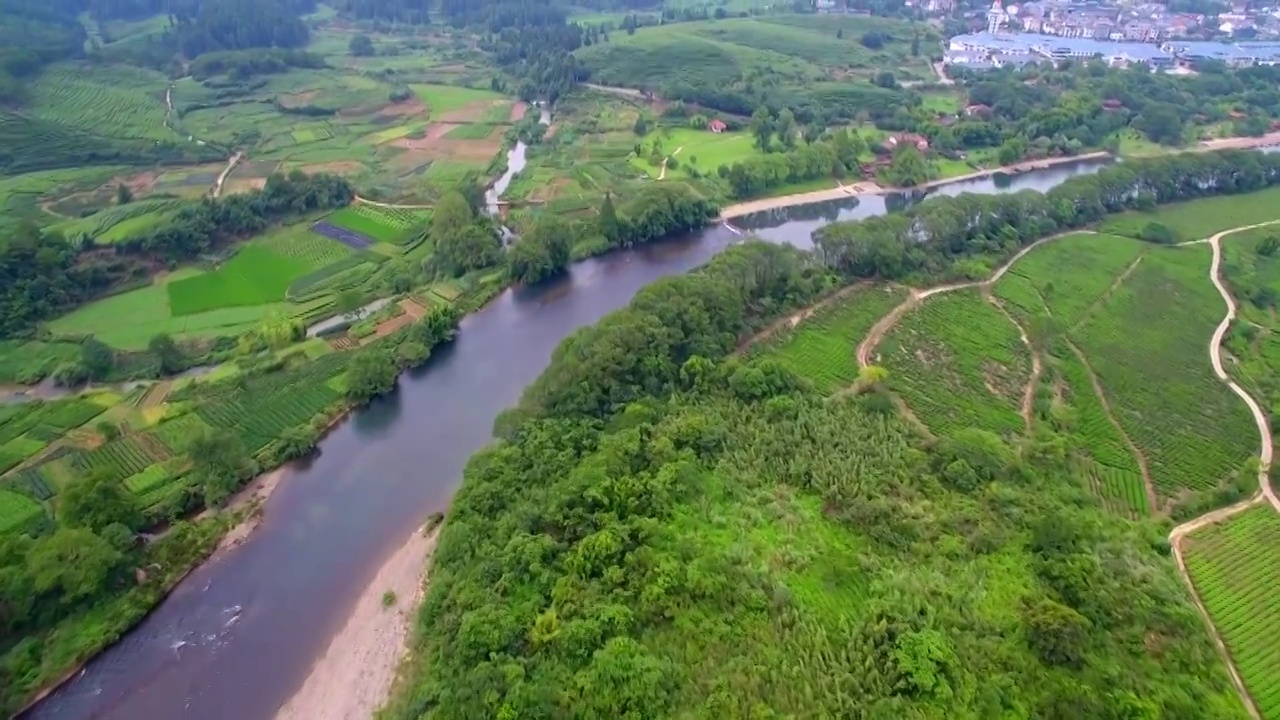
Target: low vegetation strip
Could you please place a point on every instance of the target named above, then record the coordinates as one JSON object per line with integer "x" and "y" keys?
{"x": 1234, "y": 567}
{"x": 958, "y": 362}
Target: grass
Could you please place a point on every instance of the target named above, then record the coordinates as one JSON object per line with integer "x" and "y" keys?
{"x": 472, "y": 131}
{"x": 701, "y": 148}
{"x": 1198, "y": 219}
{"x": 255, "y": 275}
{"x": 443, "y": 98}
{"x": 822, "y": 348}
{"x": 1068, "y": 275}
{"x": 958, "y": 362}
{"x": 384, "y": 225}
{"x": 942, "y": 102}
{"x": 1234, "y": 568}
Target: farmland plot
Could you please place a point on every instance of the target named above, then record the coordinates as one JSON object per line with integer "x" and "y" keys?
{"x": 1148, "y": 343}
{"x": 822, "y": 348}
{"x": 1068, "y": 275}
{"x": 1235, "y": 568}
{"x": 958, "y": 362}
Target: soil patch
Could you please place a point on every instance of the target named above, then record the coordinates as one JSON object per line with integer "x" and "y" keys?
{"x": 518, "y": 110}
{"x": 471, "y": 112}
{"x": 412, "y": 309}
{"x": 243, "y": 185}
{"x": 337, "y": 167}
{"x": 138, "y": 184}
{"x": 442, "y": 148}
{"x": 403, "y": 109}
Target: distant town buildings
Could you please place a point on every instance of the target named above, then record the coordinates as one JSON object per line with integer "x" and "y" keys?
{"x": 986, "y": 50}
{"x": 1118, "y": 20}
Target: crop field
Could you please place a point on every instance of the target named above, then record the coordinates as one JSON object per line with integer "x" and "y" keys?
{"x": 147, "y": 480}
{"x": 270, "y": 405}
{"x": 119, "y": 222}
{"x": 16, "y": 511}
{"x": 472, "y": 131}
{"x": 298, "y": 243}
{"x": 958, "y": 362}
{"x": 444, "y": 98}
{"x": 1198, "y": 219}
{"x": 1070, "y": 274}
{"x": 350, "y": 238}
{"x": 1254, "y": 279}
{"x": 822, "y": 348}
{"x": 1148, "y": 344}
{"x": 29, "y": 482}
{"x": 255, "y": 275}
{"x": 389, "y": 225}
{"x": 177, "y": 433}
{"x": 1114, "y": 471}
{"x": 128, "y": 101}
{"x": 336, "y": 277}
{"x": 1234, "y": 567}
{"x": 120, "y": 458}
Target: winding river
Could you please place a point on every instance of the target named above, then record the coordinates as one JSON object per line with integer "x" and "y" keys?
{"x": 239, "y": 635}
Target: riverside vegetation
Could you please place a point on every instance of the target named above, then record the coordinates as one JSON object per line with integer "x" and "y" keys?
{"x": 678, "y": 529}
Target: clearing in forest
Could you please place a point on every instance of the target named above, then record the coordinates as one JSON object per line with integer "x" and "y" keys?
{"x": 1234, "y": 567}
{"x": 958, "y": 362}
{"x": 1147, "y": 342}
{"x": 822, "y": 348}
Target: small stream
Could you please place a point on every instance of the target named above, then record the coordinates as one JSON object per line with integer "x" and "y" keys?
{"x": 516, "y": 162}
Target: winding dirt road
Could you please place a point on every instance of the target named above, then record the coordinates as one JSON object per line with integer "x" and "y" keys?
{"x": 1179, "y": 533}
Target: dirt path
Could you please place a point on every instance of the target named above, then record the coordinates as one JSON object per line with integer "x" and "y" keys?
{"x": 1265, "y": 491}
{"x": 1147, "y": 484}
{"x": 1084, "y": 317}
{"x": 887, "y": 322}
{"x": 1028, "y": 393}
{"x": 663, "y": 175}
{"x": 222, "y": 177}
{"x": 354, "y": 676}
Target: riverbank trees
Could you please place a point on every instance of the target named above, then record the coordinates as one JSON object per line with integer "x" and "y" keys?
{"x": 676, "y": 530}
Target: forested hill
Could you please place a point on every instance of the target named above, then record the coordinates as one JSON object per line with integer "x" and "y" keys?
{"x": 32, "y": 34}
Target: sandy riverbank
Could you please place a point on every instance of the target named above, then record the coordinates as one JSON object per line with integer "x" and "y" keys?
{"x": 354, "y": 675}
{"x": 869, "y": 188}
{"x": 1241, "y": 143}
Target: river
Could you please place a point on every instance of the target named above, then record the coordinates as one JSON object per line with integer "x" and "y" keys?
{"x": 239, "y": 635}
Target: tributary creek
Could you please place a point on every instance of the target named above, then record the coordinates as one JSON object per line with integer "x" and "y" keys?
{"x": 239, "y": 635}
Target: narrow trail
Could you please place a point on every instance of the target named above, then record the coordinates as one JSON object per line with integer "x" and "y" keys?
{"x": 222, "y": 177}
{"x": 796, "y": 318}
{"x": 886, "y": 323}
{"x": 663, "y": 175}
{"x": 1265, "y": 491}
{"x": 1029, "y": 392}
{"x": 1101, "y": 394}
{"x": 1084, "y": 317}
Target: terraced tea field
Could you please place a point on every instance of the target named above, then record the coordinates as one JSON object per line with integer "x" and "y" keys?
{"x": 390, "y": 225}
{"x": 1148, "y": 343}
{"x": 1065, "y": 277}
{"x": 958, "y": 362}
{"x": 129, "y": 101}
{"x": 822, "y": 348}
{"x": 1235, "y": 569}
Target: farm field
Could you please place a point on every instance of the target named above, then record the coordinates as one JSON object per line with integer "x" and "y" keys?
{"x": 441, "y": 99}
{"x": 822, "y": 348}
{"x": 1148, "y": 343}
{"x": 958, "y": 362}
{"x": 1198, "y": 219}
{"x": 127, "y": 101}
{"x": 1254, "y": 278}
{"x": 1234, "y": 569}
{"x": 702, "y": 149}
{"x": 192, "y": 303}
{"x": 1067, "y": 276}
{"x": 391, "y": 225}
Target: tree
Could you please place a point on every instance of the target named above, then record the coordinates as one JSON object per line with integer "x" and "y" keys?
{"x": 362, "y": 46}
{"x": 608, "y": 219}
{"x": 72, "y": 564}
{"x": 347, "y": 302}
{"x": 762, "y": 127}
{"x": 885, "y": 79}
{"x": 167, "y": 353}
{"x": 371, "y": 374}
{"x": 542, "y": 252}
{"x": 1160, "y": 233}
{"x": 1268, "y": 245}
{"x": 451, "y": 215}
{"x": 471, "y": 248}
{"x": 221, "y": 462}
{"x": 839, "y": 33}
{"x": 96, "y": 502}
{"x": 908, "y": 167}
{"x": 97, "y": 358}
{"x": 124, "y": 195}
{"x": 1058, "y": 634}
{"x": 786, "y": 128}
{"x": 641, "y": 126}
{"x": 915, "y": 44}
{"x": 873, "y": 40}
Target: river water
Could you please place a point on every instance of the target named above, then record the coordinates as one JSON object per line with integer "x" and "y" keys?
{"x": 238, "y": 636}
